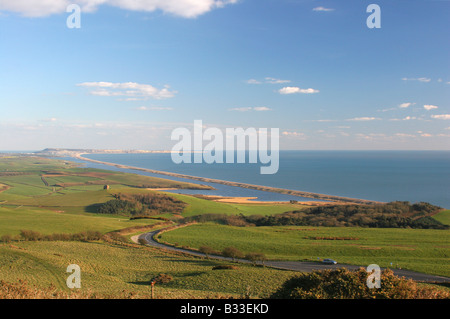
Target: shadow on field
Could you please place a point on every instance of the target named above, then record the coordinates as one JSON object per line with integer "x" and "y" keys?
{"x": 92, "y": 208}
{"x": 199, "y": 262}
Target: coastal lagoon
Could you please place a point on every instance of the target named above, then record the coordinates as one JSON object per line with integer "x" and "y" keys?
{"x": 412, "y": 176}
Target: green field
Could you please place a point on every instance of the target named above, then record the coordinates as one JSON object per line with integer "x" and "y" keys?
{"x": 198, "y": 206}
{"x": 415, "y": 249}
{"x": 26, "y": 203}
{"x": 109, "y": 270}
{"x": 443, "y": 217}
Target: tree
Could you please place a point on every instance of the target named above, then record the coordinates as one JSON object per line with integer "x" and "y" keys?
{"x": 255, "y": 257}
{"x": 232, "y": 252}
{"x": 207, "y": 250}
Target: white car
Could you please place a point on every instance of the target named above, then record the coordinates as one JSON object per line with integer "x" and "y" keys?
{"x": 329, "y": 261}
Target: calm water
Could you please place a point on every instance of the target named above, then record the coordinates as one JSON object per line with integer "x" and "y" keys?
{"x": 376, "y": 175}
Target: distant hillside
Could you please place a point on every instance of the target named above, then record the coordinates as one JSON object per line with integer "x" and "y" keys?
{"x": 73, "y": 152}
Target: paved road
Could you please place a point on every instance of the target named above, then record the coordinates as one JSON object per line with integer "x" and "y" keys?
{"x": 295, "y": 265}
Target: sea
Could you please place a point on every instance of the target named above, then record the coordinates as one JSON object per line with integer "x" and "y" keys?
{"x": 414, "y": 176}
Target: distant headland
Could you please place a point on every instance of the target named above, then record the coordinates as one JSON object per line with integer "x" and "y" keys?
{"x": 76, "y": 152}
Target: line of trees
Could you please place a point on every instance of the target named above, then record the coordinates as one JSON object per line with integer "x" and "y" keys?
{"x": 389, "y": 215}
{"x": 31, "y": 235}
{"x": 234, "y": 254}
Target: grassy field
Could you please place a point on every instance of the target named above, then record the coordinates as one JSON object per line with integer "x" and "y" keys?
{"x": 198, "y": 206}
{"x": 415, "y": 249}
{"x": 45, "y": 221}
{"x": 443, "y": 217}
{"x": 107, "y": 269}
{"x": 26, "y": 202}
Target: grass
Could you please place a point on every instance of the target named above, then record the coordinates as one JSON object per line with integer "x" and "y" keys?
{"x": 443, "y": 217}
{"x": 199, "y": 206}
{"x": 107, "y": 269}
{"x": 45, "y": 221}
{"x": 415, "y": 249}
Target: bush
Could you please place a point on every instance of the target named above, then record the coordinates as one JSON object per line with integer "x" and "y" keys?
{"x": 232, "y": 252}
{"x": 117, "y": 237}
{"x": 207, "y": 251}
{"x": 141, "y": 205}
{"x": 30, "y": 235}
{"x": 162, "y": 279}
{"x": 6, "y": 238}
{"x": 255, "y": 257}
{"x": 345, "y": 284}
{"x": 386, "y": 215}
{"x": 142, "y": 241}
{"x": 225, "y": 267}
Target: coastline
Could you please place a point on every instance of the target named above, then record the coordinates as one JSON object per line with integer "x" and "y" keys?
{"x": 325, "y": 197}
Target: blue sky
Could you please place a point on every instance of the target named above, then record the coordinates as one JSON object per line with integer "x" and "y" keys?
{"x": 134, "y": 72}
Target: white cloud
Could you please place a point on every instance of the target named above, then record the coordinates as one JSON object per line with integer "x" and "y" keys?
{"x": 405, "y": 105}
{"x": 247, "y": 109}
{"x": 253, "y": 81}
{"x": 362, "y": 119}
{"x": 276, "y": 81}
{"x": 295, "y": 90}
{"x": 182, "y": 8}
{"x": 52, "y": 119}
{"x": 261, "y": 108}
{"x": 426, "y": 80}
{"x": 297, "y": 135}
{"x": 269, "y": 80}
{"x": 153, "y": 108}
{"x": 132, "y": 90}
{"x": 323, "y": 9}
{"x": 404, "y": 135}
{"x": 441, "y": 116}
{"x": 430, "y": 107}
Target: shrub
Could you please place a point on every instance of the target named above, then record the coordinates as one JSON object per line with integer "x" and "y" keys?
{"x": 6, "y": 238}
{"x": 225, "y": 267}
{"x": 162, "y": 279}
{"x": 207, "y": 250}
{"x": 345, "y": 284}
{"x": 117, "y": 237}
{"x": 140, "y": 205}
{"x": 255, "y": 257}
{"x": 30, "y": 235}
{"x": 232, "y": 252}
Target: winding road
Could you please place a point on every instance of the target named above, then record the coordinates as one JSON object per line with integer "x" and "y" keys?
{"x": 289, "y": 265}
